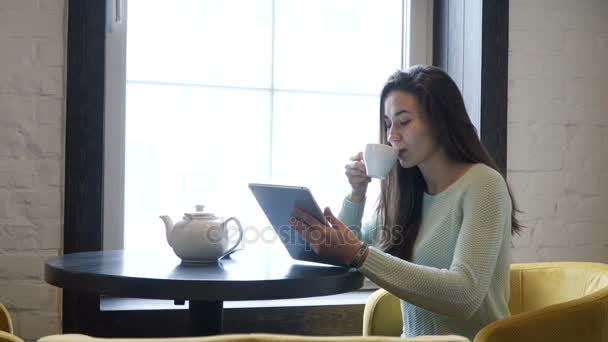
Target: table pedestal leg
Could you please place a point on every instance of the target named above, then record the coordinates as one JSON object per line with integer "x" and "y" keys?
{"x": 205, "y": 318}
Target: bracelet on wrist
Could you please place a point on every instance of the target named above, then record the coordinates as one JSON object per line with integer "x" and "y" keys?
{"x": 356, "y": 262}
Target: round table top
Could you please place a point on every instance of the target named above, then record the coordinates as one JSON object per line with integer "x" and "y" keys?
{"x": 268, "y": 273}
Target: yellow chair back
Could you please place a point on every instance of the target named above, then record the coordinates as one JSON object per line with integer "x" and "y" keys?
{"x": 6, "y": 327}
{"x": 538, "y": 285}
{"x": 554, "y": 302}
{"x": 6, "y": 324}
{"x": 559, "y": 287}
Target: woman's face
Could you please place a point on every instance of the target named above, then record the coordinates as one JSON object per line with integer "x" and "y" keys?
{"x": 407, "y": 129}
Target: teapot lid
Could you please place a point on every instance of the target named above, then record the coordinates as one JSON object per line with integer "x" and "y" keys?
{"x": 200, "y": 213}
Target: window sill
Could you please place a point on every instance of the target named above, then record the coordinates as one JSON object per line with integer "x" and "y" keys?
{"x": 136, "y": 304}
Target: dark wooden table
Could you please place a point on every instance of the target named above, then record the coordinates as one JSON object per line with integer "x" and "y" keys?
{"x": 245, "y": 275}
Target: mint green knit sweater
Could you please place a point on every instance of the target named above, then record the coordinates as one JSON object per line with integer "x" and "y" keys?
{"x": 458, "y": 281}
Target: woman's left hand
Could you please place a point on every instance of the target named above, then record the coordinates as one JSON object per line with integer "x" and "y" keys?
{"x": 333, "y": 240}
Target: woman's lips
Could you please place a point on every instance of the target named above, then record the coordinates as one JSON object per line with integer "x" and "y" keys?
{"x": 402, "y": 152}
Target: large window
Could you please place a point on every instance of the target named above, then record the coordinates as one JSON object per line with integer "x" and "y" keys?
{"x": 221, "y": 93}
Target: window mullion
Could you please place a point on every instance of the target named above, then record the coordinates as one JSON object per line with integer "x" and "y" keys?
{"x": 403, "y": 36}
{"x": 272, "y": 91}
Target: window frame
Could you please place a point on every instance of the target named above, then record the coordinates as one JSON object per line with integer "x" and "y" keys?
{"x": 84, "y": 146}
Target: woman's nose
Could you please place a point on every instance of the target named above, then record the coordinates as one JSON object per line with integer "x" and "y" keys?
{"x": 393, "y": 136}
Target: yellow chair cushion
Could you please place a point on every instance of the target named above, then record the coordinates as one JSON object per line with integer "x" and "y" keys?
{"x": 255, "y": 338}
{"x": 584, "y": 319}
{"x": 8, "y": 337}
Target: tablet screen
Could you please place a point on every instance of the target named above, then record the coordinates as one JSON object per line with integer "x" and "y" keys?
{"x": 277, "y": 202}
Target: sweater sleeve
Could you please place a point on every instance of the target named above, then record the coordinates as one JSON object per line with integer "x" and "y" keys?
{"x": 458, "y": 291}
{"x": 351, "y": 214}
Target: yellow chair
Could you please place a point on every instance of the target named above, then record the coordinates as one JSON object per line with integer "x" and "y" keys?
{"x": 254, "y": 338}
{"x": 554, "y": 301}
{"x": 6, "y": 327}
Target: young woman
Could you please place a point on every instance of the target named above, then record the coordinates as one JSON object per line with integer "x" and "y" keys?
{"x": 440, "y": 237}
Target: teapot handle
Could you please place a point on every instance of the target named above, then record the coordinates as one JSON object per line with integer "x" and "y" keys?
{"x": 238, "y": 223}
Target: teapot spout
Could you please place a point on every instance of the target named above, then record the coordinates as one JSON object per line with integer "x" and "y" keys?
{"x": 168, "y": 227}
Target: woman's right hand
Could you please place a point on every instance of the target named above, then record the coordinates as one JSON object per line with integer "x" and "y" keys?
{"x": 357, "y": 177}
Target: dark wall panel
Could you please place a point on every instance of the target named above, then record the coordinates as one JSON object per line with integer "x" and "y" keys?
{"x": 83, "y": 203}
{"x": 494, "y": 79}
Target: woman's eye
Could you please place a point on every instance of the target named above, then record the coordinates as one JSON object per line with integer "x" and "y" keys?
{"x": 387, "y": 125}
{"x": 404, "y": 123}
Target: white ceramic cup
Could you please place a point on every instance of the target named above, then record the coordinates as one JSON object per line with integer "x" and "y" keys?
{"x": 379, "y": 160}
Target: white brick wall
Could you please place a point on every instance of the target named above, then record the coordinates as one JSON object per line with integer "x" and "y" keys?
{"x": 32, "y": 72}
{"x": 558, "y": 128}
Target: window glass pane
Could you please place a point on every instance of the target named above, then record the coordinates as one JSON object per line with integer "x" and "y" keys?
{"x": 188, "y": 144}
{"x": 337, "y": 45}
{"x": 211, "y": 42}
{"x": 313, "y": 137}
{"x": 192, "y": 145}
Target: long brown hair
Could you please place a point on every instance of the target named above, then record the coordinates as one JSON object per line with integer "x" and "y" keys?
{"x": 400, "y": 204}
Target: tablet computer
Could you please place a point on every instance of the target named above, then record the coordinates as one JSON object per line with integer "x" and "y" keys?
{"x": 277, "y": 202}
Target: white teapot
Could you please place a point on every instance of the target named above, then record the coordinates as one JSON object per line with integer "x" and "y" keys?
{"x": 200, "y": 237}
